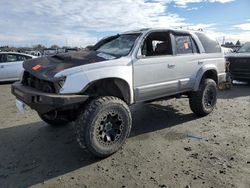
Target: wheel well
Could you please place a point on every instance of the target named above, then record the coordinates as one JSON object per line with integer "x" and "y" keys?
{"x": 109, "y": 87}
{"x": 211, "y": 74}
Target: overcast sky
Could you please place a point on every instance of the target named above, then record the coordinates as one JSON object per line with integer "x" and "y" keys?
{"x": 83, "y": 22}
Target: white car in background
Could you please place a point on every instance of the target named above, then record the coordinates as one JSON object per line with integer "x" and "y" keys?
{"x": 11, "y": 65}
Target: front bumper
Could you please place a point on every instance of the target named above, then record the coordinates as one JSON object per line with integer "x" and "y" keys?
{"x": 44, "y": 102}
{"x": 240, "y": 75}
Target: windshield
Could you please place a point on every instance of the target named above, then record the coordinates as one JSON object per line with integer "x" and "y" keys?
{"x": 245, "y": 48}
{"x": 120, "y": 45}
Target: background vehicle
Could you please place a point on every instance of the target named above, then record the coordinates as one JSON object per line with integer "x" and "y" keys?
{"x": 95, "y": 87}
{"x": 11, "y": 65}
{"x": 227, "y": 51}
{"x": 34, "y": 53}
{"x": 239, "y": 63}
{"x": 49, "y": 51}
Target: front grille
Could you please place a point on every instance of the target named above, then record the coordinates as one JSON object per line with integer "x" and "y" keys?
{"x": 242, "y": 64}
{"x": 34, "y": 82}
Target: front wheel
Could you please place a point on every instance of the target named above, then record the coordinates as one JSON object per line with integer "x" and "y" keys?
{"x": 203, "y": 101}
{"x": 103, "y": 126}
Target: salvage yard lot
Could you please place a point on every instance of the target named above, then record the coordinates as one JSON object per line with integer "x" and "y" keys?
{"x": 168, "y": 147}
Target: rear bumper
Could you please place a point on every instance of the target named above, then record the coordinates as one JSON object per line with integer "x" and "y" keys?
{"x": 222, "y": 78}
{"x": 44, "y": 102}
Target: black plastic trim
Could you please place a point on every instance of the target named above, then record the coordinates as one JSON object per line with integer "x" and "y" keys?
{"x": 44, "y": 102}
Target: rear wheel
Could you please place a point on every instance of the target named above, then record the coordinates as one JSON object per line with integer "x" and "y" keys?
{"x": 203, "y": 101}
{"x": 103, "y": 126}
{"x": 55, "y": 118}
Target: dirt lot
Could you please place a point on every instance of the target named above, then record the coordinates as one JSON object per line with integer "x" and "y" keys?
{"x": 168, "y": 147}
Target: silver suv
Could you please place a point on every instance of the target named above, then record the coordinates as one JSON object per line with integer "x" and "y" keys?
{"x": 95, "y": 87}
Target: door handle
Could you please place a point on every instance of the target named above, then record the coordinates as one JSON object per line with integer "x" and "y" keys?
{"x": 200, "y": 62}
{"x": 171, "y": 66}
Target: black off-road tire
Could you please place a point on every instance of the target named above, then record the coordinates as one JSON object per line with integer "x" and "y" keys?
{"x": 203, "y": 101}
{"x": 103, "y": 126}
{"x": 54, "y": 119}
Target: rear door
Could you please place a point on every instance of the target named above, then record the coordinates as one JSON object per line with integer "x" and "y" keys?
{"x": 187, "y": 62}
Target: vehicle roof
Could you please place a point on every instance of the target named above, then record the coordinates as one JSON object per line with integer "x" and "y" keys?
{"x": 50, "y": 49}
{"x": 146, "y": 30}
{"x": 17, "y": 53}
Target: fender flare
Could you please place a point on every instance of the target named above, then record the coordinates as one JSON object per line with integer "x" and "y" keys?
{"x": 201, "y": 73}
{"x": 78, "y": 82}
{"x": 120, "y": 83}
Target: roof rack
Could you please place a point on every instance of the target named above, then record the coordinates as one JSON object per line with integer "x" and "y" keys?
{"x": 192, "y": 29}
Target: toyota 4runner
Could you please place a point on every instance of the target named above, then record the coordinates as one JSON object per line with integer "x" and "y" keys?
{"x": 95, "y": 87}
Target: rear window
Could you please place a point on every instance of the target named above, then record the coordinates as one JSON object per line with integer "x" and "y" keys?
{"x": 210, "y": 45}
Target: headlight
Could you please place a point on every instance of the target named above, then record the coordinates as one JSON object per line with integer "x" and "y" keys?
{"x": 61, "y": 81}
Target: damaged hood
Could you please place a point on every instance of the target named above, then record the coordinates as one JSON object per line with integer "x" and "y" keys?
{"x": 47, "y": 67}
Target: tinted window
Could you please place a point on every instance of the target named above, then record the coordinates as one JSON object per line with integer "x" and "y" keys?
{"x": 210, "y": 45}
{"x": 245, "y": 48}
{"x": 23, "y": 57}
{"x": 183, "y": 45}
{"x": 12, "y": 57}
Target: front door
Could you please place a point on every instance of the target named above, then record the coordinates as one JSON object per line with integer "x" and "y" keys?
{"x": 154, "y": 68}
{"x": 11, "y": 68}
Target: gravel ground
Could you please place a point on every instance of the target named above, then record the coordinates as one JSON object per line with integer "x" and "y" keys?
{"x": 168, "y": 147}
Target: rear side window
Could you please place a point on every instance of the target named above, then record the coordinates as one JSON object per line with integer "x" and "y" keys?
{"x": 185, "y": 44}
{"x": 210, "y": 45}
{"x": 23, "y": 57}
{"x": 11, "y": 58}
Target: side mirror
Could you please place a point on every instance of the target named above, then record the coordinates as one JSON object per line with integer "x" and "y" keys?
{"x": 139, "y": 55}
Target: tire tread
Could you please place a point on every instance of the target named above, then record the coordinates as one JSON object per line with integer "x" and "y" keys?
{"x": 85, "y": 116}
{"x": 195, "y": 99}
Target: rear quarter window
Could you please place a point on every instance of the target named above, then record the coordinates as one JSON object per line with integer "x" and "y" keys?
{"x": 210, "y": 45}
{"x": 23, "y": 57}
